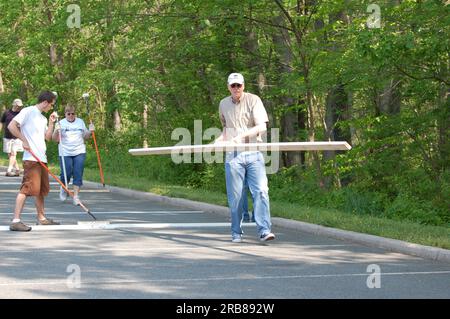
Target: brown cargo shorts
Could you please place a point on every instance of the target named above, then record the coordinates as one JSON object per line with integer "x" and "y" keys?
{"x": 35, "y": 179}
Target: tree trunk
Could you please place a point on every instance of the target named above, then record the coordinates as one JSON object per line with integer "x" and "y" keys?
{"x": 109, "y": 56}
{"x": 304, "y": 9}
{"x": 255, "y": 65}
{"x": 289, "y": 127}
{"x": 56, "y": 58}
{"x": 337, "y": 110}
{"x": 302, "y": 119}
{"x": 311, "y": 125}
{"x": 113, "y": 118}
{"x": 202, "y": 74}
{"x": 258, "y": 81}
{"x": 100, "y": 119}
{"x": 443, "y": 127}
{"x": 388, "y": 102}
{"x": 2, "y": 89}
{"x": 23, "y": 89}
{"x": 53, "y": 54}
{"x": 117, "y": 120}
{"x": 145, "y": 126}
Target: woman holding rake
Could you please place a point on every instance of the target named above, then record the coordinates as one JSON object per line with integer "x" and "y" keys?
{"x": 71, "y": 134}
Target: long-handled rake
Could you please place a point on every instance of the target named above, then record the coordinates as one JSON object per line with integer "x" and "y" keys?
{"x": 86, "y": 100}
{"x": 60, "y": 146}
{"x": 61, "y": 183}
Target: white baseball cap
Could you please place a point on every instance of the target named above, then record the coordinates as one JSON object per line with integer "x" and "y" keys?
{"x": 17, "y": 102}
{"x": 235, "y": 78}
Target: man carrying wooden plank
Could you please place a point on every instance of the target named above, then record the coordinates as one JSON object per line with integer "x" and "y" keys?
{"x": 244, "y": 119}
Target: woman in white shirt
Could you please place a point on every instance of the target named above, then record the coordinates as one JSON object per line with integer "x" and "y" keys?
{"x": 73, "y": 149}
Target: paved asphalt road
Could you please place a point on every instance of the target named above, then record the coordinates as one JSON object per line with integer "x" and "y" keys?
{"x": 179, "y": 260}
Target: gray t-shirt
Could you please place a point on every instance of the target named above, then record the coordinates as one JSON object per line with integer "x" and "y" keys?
{"x": 242, "y": 116}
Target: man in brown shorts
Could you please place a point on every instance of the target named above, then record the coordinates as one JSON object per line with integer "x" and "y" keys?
{"x": 30, "y": 126}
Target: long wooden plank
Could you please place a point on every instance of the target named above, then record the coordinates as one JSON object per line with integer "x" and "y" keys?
{"x": 208, "y": 148}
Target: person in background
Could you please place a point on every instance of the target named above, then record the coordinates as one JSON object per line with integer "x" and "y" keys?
{"x": 73, "y": 149}
{"x": 11, "y": 144}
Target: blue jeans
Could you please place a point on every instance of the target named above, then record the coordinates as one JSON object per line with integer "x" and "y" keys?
{"x": 241, "y": 167}
{"x": 74, "y": 168}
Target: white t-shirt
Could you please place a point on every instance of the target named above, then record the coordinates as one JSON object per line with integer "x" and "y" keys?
{"x": 33, "y": 126}
{"x": 72, "y": 134}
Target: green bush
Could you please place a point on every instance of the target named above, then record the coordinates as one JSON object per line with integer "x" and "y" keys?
{"x": 358, "y": 202}
{"x": 405, "y": 207}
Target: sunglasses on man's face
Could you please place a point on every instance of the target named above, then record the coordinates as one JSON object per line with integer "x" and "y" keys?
{"x": 236, "y": 85}
{"x": 68, "y": 113}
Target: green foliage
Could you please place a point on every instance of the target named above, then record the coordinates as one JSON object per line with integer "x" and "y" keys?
{"x": 405, "y": 207}
{"x": 295, "y": 186}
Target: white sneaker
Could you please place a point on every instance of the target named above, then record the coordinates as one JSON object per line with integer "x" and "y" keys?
{"x": 236, "y": 238}
{"x": 266, "y": 237}
{"x": 76, "y": 201}
{"x": 62, "y": 194}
